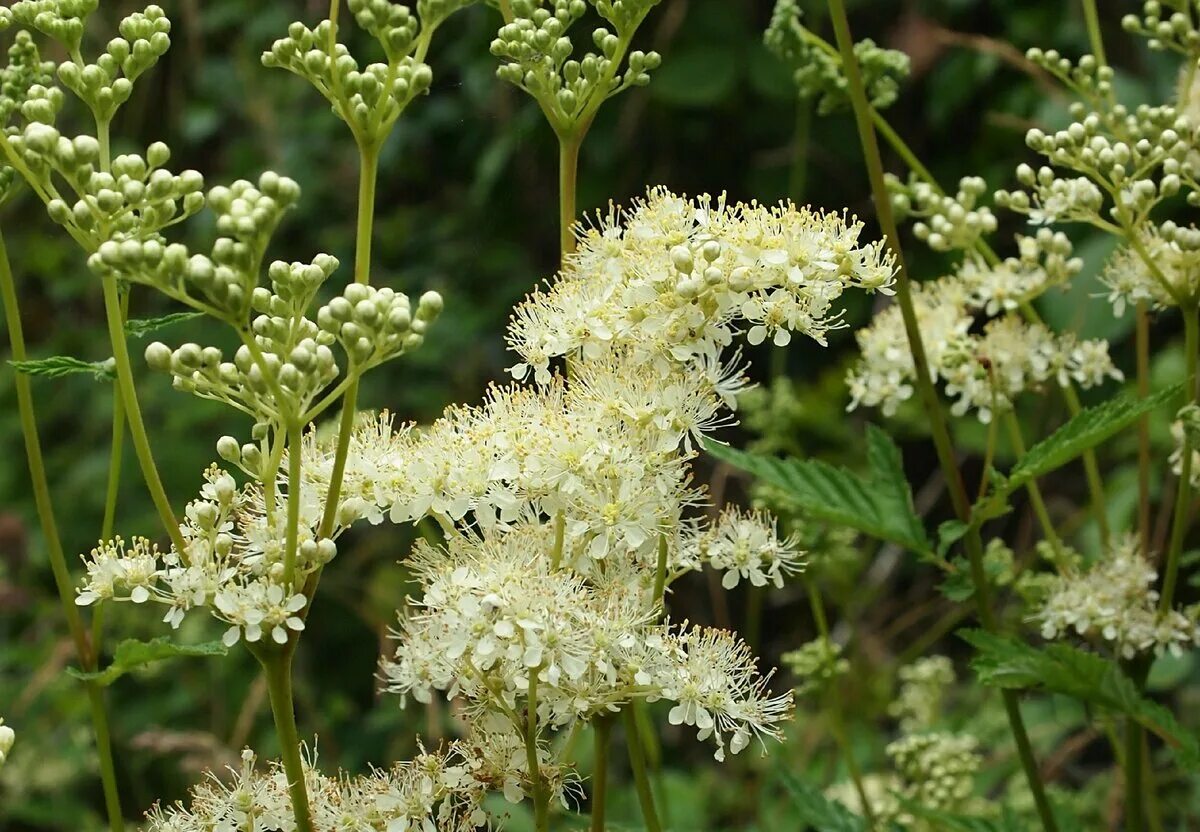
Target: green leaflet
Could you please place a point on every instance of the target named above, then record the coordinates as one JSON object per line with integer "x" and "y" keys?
{"x": 879, "y": 504}
{"x": 1004, "y": 662}
{"x": 1086, "y": 430}
{"x": 815, "y": 811}
{"x": 131, "y": 654}
{"x": 58, "y": 366}
{"x": 141, "y": 327}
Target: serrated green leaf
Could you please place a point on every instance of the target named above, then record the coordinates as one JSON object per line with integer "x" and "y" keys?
{"x": 132, "y": 654}
{"x": 815, "y": 811}
{"x": 141, "y": 327}
{"x": 879, "y": 504}
{"x": 58, "y": 366}
{"x": 1086, "y": 430}
{"x": 1004, "y": 662}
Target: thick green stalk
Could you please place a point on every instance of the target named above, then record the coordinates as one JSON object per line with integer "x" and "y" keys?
{"x": 641, "y": 779}
{"x": 277, "y": 666}
{"x": 368, "y": 177}
{"x": 115, "y": 454}
{"x": 1095, "y": 38}
{"x": 602, "y": 737}
{"x": 568, "y": 182}
{"x": 541, "y": 804}
{"x": 54, "y": 547}
{"x": 1183, "y": 496}
{"x": 933, "y": 408}
{"x": 133, "y": 414}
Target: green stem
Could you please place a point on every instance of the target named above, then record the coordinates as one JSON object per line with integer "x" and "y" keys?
{"x": 1095, "y": 38}
{"x": 102, "y": 138}
{"x": 641, "y": 779}
{"x": 560, "y": 532}
{"x": 133, "y": 412}
{"x": 1183, "y": 496}
{"x": 54, "y": 548}
{"x": 368, "y": 177}
{"x": 933, "y": 408}
{"x": 295, "y": 459}
{"x": 1133, "y": 776}
{"x": 541, "y": 805}
{"x": 660, "y": 572}
{"x": 1034, "y": 491}
{"x": 568, "y": 182}
{"x": 1143, "y": 390}
{"x": 277, "y": 666}
{"x": 602, "y": 728}
{"x": 116, "y": 452}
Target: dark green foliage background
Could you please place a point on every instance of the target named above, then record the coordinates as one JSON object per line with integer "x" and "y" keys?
{"x": 467, "y": 206}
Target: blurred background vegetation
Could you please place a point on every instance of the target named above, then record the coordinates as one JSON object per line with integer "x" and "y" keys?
{"x": 467, "y": 206}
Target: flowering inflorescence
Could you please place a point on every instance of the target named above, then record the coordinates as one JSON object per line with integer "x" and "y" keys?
{"x": 817, "y": 69}
{"x": 816, "y": 665}
{"x": 945, "y": 222}
{"x": 1113, "y": 603}
{"x": 985, "y": 370}
{"x": 439, "y": 790}
{"x": 536, "y": 51}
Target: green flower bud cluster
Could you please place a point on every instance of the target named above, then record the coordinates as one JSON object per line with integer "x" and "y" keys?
{"x": 1148, "y": 163}
{"x": 137, "y": 197}
{"x": 536, "y": 51}
{"x": 948, "y": 223}
{"x": 107, "y": 84}
{"x": 1090, "y": 79}
{"x": 1168, "y": 24}
{"x": 223, "y": 282}
{"x": 374, "y": 325}
{"x": 937, "y": 769}
{"x": 393, "y": 25}
{"x": 61, "y": 20}
{"x": 24, "y": 72}
{"x": 922, "y": 685}
{"x": 369, "y": 100}
{"x": 816, "y": 665}
{"x": 817, "y": 69}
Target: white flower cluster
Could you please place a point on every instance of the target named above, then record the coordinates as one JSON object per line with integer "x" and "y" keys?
{"x": 232, "y": 564}
{"x": 673, "y": 280}
{"x": 1114, "y": 603}
{"x": 435, "y": 792}
{"x": 986, "y": 369}
{"x": 1175, "y": 253}
{"x": 7, "y": 737}
{"x": 497, "y": 618}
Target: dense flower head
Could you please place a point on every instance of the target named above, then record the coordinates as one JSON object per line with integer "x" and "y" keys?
{"x": 672, "y": 281}
{"x": 435, "y": 792}
{"x": 983, "y": 369}
{"x": 1165, "y": 267}
{"x": 1114, "y": 603}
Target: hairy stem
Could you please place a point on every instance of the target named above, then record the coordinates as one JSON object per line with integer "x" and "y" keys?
{"x": 602, "y": 737}
{"x": 277, "y": 666}
{"x": 641, "y": 779}
{"x": 1183, "y": 497}
{"x": 54, "y": 548}
{"x": 133, "y": 415}
{"x": 933, "y": 408}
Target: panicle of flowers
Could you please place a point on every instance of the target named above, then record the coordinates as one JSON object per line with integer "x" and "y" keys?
{"x": 1162, "y": 268}
{"x": 434, "y": 791}
{"x": 745, "y": 545}
{"x": 673, "y": 280}
{"x": 937, "y": 771}
{"x": 1043, "y": 261}
{"x": 945, "y": 222}
{"x": 817, "y": 69}
{"x": 984, "y": 370}
{"x": 816, "y": 665}
{"x": 923, "y": 685}
{"x": 1113, "y": 603}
